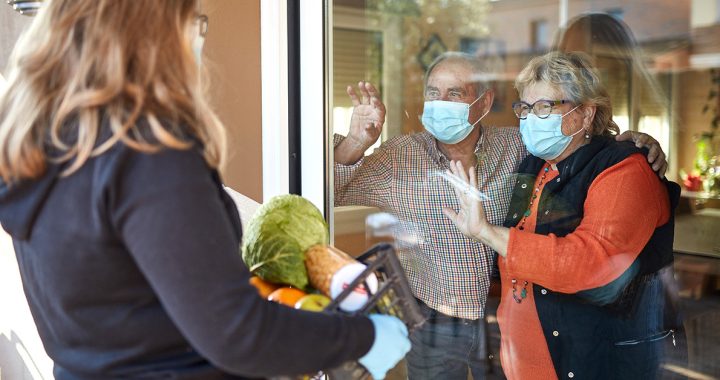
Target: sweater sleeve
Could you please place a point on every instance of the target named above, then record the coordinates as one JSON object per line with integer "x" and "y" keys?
{"x": 170, "y": 215}
{"x": 624, "y": 205}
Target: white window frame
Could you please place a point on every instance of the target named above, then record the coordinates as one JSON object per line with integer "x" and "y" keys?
{"x": 315, "y": 116}
{"x": 274, "y": 74}
{"x": 314, "y": 85}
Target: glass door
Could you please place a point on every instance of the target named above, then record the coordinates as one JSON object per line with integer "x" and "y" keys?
{"x": 380, "y": 166}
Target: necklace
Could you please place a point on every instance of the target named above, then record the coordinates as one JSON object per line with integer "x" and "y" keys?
{"x": 526, "y": 214}
{"x": 523, "y": 291}
{"x": 521, "y": 226}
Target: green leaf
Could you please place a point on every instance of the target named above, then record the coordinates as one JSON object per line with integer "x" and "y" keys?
{"x": 277, "y": 237}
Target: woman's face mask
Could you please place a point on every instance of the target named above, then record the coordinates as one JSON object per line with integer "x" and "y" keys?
{"x": 543, "y": 137}
{"x": 197, "y": 46}
{"x": 200, "y": 28}
{"x": 448, "y": 121}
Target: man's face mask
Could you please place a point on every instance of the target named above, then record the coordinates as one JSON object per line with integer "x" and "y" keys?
{"x": 543, "y": 137}
{"x": 448, "y": 121}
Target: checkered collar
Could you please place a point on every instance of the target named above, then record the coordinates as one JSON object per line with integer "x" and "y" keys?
{"x": 438, "y": 154}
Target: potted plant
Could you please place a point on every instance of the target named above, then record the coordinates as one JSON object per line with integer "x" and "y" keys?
{"x": 707, "y": 158}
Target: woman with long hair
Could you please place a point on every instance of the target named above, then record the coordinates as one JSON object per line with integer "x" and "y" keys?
{"x": 126, "y": 241}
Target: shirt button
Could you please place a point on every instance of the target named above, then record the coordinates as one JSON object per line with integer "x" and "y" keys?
{"x": 555, "y": 333}
{"x": 571, "y": 375}
{"x": 543, "y": 291}
{"x": 547, "y": 212}
{"x": 524, "y": 185}
{"x": 514, "y": 216}
{"x": 558, "y": 180}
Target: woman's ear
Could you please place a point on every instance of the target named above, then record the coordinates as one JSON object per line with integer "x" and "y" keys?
{"x": 588, "y": 112}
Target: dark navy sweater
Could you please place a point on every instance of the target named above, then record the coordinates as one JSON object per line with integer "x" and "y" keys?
{"x": 131, "y": 269}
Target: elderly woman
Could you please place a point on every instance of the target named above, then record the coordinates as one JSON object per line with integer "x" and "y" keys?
{"x": 588, "y": 229}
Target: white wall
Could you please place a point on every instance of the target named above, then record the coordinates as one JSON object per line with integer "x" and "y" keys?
{"x": 704, "y": 13}
{"x": 22, "y": 356}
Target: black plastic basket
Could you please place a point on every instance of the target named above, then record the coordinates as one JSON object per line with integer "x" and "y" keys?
{"x": 393, "y": 297}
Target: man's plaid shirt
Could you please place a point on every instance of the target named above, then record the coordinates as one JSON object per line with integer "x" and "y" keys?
{"x": 446, "y": 270}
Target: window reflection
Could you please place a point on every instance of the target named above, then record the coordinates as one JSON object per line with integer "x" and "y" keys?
{"x": 664, "y": 81}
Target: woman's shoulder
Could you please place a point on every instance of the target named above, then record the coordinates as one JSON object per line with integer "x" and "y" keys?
{"x": 634, "y": 168}
{"x": 161, "y": 164}
{"x": 610, "y": 145}
{"x": 605, "y": 151}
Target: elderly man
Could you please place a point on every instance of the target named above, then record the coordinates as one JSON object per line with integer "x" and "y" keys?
{"x": 448, "y": 273}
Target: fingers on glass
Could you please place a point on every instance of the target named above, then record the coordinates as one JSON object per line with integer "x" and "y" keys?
{"x": 460, "y": 170}
{"x": 373, "y": 91}
{"x": 353, "y": 95}
{"x": 364, "y": 93}
{"x": 473, "y": 177}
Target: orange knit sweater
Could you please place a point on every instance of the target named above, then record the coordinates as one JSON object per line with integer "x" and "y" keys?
{"x": 624, "y": 205}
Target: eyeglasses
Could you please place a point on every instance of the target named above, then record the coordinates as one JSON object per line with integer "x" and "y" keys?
{"x": 202, "y": 22}
{"x": 542, "y": 108}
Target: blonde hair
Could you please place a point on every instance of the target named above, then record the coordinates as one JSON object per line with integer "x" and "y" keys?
{"x": 574, "y": 77}
{"x": 86, "y": 63}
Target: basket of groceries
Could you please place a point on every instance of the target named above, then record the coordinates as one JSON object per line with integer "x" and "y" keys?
{"x": 286, "y": 249}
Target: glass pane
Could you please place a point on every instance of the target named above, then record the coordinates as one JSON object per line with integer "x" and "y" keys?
{"x": 659, "y": 63}
{"x": 357, "y": 54}
{"x": 672, "y": 95}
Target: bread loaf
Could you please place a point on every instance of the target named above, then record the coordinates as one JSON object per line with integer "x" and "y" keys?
{"x": 321, "y": 262}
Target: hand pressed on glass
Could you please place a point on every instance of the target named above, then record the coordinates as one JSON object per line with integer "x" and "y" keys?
{"x": 368, "y": 114}
{"x": 471, "y": 219}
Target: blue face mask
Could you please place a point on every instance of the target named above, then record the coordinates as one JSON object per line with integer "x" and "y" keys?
{"x": 543, "y": 137}
{"x": 448, "y": 121}
{"x": 197, "y": 47}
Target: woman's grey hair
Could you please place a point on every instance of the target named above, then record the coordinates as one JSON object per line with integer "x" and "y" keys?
{"x": 576, "y": 79}
{"x": 479, "y": 73}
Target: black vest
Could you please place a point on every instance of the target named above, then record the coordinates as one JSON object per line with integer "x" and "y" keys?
{"x": 581, "y": 335}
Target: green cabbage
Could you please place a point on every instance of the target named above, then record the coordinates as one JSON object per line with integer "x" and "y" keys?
{"x": 276, "y": 238}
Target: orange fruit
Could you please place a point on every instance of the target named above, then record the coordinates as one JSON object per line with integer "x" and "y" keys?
{"x": 263, "y": 287}
{"x": 286, "y": 296}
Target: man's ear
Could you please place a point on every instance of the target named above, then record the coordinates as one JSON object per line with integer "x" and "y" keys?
{"x": 487, "y": 100}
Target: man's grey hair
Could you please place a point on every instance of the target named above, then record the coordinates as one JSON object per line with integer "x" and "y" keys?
{"x": 479, "y": 72}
